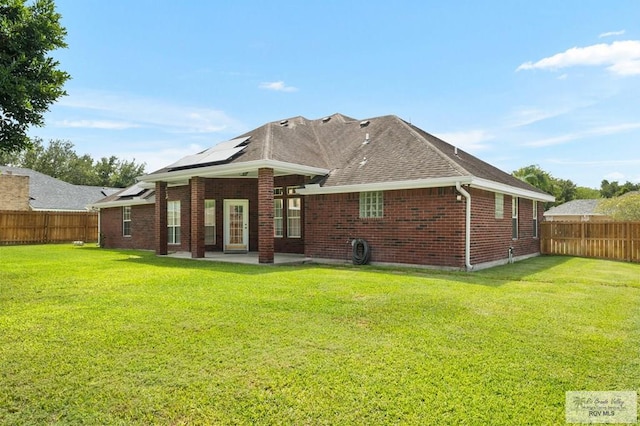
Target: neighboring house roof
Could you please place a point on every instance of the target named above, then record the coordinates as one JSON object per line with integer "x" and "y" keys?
{"x": 575, "y": 208}
{"x": 343, "y": 154}
{"x": 48, "y": 193}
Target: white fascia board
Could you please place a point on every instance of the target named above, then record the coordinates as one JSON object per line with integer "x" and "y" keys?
{"x": 492, "y": 186}
{"x": 385, "y": 186}
{"x": 223, "y": 170}
{"x": 121, "y": 203}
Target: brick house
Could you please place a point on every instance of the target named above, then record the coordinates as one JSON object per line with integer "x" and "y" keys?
{"x": 314, "y": 186}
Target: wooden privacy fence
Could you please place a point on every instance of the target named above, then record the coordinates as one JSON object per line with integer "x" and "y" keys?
{"x": 39, "y": 227}
{"x": 605, "y": 240}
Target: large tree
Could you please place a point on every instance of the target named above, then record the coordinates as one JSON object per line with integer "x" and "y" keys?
{"x": 625, "y": 207}
{"x": 30, "y": 80}
{"x": 59, "y": 160}
{"x": 563, "y": 189}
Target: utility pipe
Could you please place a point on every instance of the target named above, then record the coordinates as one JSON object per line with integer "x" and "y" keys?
{"x": 467, "y": 228}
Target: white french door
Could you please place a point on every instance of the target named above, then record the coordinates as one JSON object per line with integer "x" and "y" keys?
{"x": 236, "y": 225}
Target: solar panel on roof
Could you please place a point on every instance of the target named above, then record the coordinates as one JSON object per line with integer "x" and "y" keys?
{"x": 132, "y": 191}
{"x": 220, "y": 152}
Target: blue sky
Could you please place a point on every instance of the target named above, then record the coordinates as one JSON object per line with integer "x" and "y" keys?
{"x": 553, "y": 83}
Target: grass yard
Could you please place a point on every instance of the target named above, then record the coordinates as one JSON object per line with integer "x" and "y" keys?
{"x": 93, "y": 336}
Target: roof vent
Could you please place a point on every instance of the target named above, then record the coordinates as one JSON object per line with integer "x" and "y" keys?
{"x": 455, "y": 150}
{"x": 363, "y": 162}
{"x": 364, "y": 123}
{"x": 366, "y": 139}
{"x": 326, "y": 119}
{"x": 284, "y": 123}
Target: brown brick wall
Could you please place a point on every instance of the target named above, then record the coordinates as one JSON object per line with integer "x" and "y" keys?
{"x": 421, "y": 226}
{"x": 491, "y": 237}
{"x": 142, "y": 228}
{"x": 14, "y": 192}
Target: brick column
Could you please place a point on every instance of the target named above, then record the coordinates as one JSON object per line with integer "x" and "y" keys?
{"x": 197, "y": 217}
{"x": 161, "y": 218}
{"x": 265, "y": 215}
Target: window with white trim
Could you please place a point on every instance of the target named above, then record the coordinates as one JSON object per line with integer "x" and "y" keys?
{"x": 535, "y": 219}
{"x": 126, "y": 221}
{"x": 514, "y": 218}
{"x": 371, "y": 204}
{"x": 209, "y": 222}
{"x": 294, "y": 218}
{"x": 173, "y": 222}
{"x": 499, "y": 206}
{"x": 278, "y": 222}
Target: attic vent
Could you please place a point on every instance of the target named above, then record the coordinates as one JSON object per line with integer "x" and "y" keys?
{"x": 326, "y": 119}
{"x": 364, "y": 123}
{"x": 284, "y": 123}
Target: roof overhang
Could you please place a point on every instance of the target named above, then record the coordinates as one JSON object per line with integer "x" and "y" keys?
{"x": 121, "y": 203}
{"x": 384, "y": 186}
{"x": 492, "y": 186}
{"x": 245, "y": 169}
{"x": 472, "y": 181}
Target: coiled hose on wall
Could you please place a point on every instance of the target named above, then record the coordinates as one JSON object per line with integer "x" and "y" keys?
{"x": 361, "y": 252}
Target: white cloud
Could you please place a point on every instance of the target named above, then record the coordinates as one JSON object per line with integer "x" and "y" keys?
{"x": 157, "y": 159}
{"x": 611, "y": 34}
{"x": 277, "y": 86}
{"x": 614, "y": 176}
{"x": 96, "y": 124}
{"x": 620, "y": 57}
{"x": 470, "y": 140}
{"x": 525, "y": 116}
{"x": 596, "y": 131}
{"x": 105, "y": 108}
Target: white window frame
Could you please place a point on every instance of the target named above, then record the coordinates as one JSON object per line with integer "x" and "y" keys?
{"x": 514, "y": 218}
{"x": 535, "y": 219}
{"x": 209, "y": 222}
{"x": 173, "y": 222}
{"x": 126, "y": 221}
{"x": 294, "y": 217}
{"x": 499, "y": 203}
{"x": 371, "y": 205}
{"x": 278, "y": 218}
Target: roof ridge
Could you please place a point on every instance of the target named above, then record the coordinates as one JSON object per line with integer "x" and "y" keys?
{"x": 266, "y": 147}
{"x": 455, "y": 165}
{"x": 325, "y": 155}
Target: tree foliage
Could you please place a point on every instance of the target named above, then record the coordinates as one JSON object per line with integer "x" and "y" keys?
{"x": 623, "y": 208}
{"x": 30, "y": 80}
{"x": 614, "y": 189}
{"x": 562, "y": 189}
{"x": 59, "y": 160}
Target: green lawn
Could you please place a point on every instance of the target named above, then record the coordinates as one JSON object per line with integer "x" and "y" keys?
{"x": 92, "y": 336}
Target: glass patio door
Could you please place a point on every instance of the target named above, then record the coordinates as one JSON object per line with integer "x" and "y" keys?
{"x": 236, "y": 225}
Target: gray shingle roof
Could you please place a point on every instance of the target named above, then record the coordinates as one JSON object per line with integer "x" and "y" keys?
{"x": 395, "y": 151}
{"x": 48, "y": 193}
{"x": 574, "y": 208}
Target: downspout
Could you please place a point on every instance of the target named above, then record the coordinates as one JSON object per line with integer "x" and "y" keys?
{"x": 467, "y": 228}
